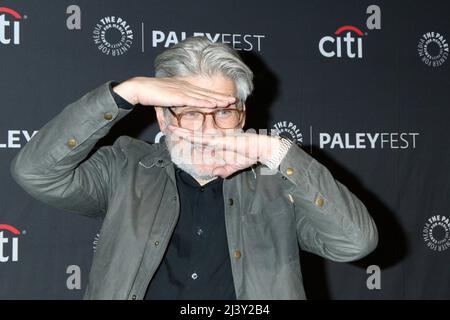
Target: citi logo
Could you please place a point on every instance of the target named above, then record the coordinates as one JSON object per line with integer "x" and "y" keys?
{"x": 9, "y": 243}
{"x": 333, "y": 46}
{"x": 347, "y": 40}
{"x": 9, "y": 30}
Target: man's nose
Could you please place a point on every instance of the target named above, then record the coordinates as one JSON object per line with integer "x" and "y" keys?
{"x": 209, "y": 125}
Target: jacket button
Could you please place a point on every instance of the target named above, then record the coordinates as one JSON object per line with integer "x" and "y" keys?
{"x": 237, "y": 254}
{"x": 72, "y": 142}
{"x": 289, "y": 171}
{"x": 230, "y": 201}
{"x": 133, "y": 297}
{"x": 108, "y": 115}
{"x": 319, "y": 201}
{"x": 156, "y": 243}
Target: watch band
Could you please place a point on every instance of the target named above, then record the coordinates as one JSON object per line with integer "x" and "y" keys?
{"x": 275, "y": 161}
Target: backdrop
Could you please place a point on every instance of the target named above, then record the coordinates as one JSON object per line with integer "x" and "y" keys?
{"x": 362, "y": 86}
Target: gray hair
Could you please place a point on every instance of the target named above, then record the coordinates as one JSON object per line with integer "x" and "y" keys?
{"x": 201, "y": 56}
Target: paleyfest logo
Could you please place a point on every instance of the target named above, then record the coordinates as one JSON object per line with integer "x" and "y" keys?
{"x": 113, "y": 36}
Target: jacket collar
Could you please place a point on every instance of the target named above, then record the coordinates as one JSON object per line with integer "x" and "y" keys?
{"x": 159, "y": 157}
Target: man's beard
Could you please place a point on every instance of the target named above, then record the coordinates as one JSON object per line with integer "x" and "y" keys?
{"x": 181, "y": 156}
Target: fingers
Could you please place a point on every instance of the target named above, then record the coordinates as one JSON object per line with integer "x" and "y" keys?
{"x": 194, "y": 99}
{"x": 205, "y": 91}
{"x": 245, "y": 144}
{"x": 215, "y": 102}
{"x": 221, "y": 99}
{"x": 233, "y": 162}
{"x": 197, "y": 137}
{"x": 188, "y": 135}
{"x": 187, "y": 100}
{"x": 178, "y": 92}
{"x": 235, "y": 159}
{"x": 226, "y": 156}
{"x": 216, "y": 96}
{"x": 224, "y": 171}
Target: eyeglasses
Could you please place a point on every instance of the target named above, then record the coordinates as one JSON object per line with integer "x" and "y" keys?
{"x": 224, "y": 118}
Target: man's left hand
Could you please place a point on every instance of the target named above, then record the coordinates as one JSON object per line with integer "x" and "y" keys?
{"x": 235, "y": 151}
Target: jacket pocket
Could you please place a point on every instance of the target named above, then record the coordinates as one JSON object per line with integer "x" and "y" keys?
{"x": 269, "y": 230}
{"x": 274, "y": 207}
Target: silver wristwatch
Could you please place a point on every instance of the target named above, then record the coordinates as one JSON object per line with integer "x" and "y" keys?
{"x": 275, "y": 161}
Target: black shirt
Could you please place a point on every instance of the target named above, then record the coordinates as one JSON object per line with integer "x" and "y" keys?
{"x": 196, "y": 264}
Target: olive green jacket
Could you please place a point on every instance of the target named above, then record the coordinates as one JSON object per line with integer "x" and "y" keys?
{"x": 131, "y": 184}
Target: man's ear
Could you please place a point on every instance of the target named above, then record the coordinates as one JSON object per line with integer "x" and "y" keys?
{"x": 160, "y": 117}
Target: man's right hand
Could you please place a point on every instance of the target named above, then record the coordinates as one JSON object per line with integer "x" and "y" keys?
{"x": 170, "y": 92}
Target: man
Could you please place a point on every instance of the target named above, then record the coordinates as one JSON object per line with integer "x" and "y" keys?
{"x": 210, "y": 212}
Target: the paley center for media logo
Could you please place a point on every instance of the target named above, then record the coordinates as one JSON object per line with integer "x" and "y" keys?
{"x": 288, "y": 129}
{"x": 113, "y": 36}
{"x": 436, "y": 233}
{"x": 433, "y": 49}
